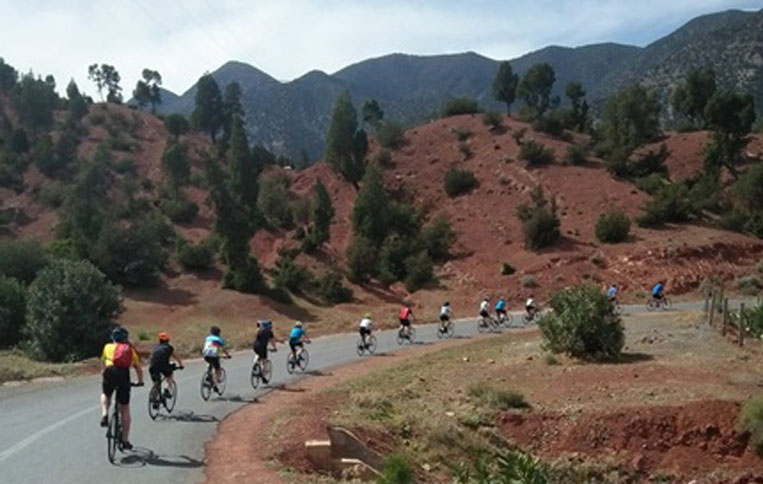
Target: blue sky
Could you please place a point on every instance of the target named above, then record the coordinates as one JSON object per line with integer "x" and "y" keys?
{"x": 287, "y": 38}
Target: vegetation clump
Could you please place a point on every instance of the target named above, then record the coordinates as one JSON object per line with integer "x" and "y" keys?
{"x": 613, "y": 227}
{"x": 458, "y": 182}
{"x": 535, "y": 154}
{"x": 460, "y": 105}
{"x": 540, "y": 223}
{"x": 751, "y": 420}
{"x": 497, "y": 398}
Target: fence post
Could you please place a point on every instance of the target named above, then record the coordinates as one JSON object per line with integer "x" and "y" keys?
{"x": 742, "y": 318}
{"x": 725, "y": 316}
{"x": 720, "y": 299}
{"x": 711, "y": 314}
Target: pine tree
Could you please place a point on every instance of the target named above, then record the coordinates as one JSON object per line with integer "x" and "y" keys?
{"x": 370, "y": 213}
{"x": 322, "y": 215}
{"x": 208, "y": 115}
{"x": 505, "y": 85}
{"x": 346, "y": 145}
{"x": 243, "y": 171}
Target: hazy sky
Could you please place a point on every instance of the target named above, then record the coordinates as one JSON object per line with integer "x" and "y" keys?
{"x": 287, "y": 38}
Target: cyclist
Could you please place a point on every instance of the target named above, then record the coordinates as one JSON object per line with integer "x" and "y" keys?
{"x": 485, "y": 307}
{"x": 365, "y": 329}
{"x": 500, "y": 308}
{"x": 531, "y": 307}
{"x": 657, "y": 290}
{"x": 612, "y": 293}
{"x": 297, "y": 338}
{"x": 160, "y": 363}
{"x": 445, "y": 314}
{"x": 406, "y": 315}
{"x": 213, "y": 345}
{"x": 264, "y": 337}
{"x": 117, "y": 357}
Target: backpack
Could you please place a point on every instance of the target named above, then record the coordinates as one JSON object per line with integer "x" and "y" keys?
{"x": 123, "y": 355}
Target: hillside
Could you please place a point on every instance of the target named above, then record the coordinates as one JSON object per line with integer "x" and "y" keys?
{"x": 291, "y": 117}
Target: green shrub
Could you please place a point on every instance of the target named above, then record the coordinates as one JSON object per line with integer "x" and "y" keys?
{"x": 175, "y": 165}
{"x": 751, "y": 420}
{"x": 529, "y": 282}
{"x": 496, "y": 398}
{"x": 493, "y": 120}
{"x": 131, "y": 255}
{"x": 507, "y": 269}
{"x": 195, "y": 257}
{"x": 733, "y": 220}
{"x": 705, "y": 193}
{"x": 613, "y": 227}
{"x": 519, "y": 135}
{"x": 419, "y": 271}
{"x": 391, "y": 135}
{"x": 245, "y": 277}
{"x": 330, "y": 288}
{"x": 650, "y": 184}
{"x": 437, "y": 238}
{"x": 457, "y": 182}
{"x": 71, "y": 308}
{"x": 22, "y": 259}
{"x": 649, "y": 163}
{"x": 576, "y": 155}
{"x": 550, "y": 359}
{"x": 582, "y": 324}
{"x": 12, "y": 311}
{"x": 670, "y": 204}
{"x": 749, "y": 285}
{"x": 176, "y": 124}
{"x": 460, "y": 105}
{"x": 290, "y": 275}
{"x": 125, "y": 166}
{"x": 273, "y": 201}
{"x": 754, "y": 224}
{"x": 383, "y": 158}
{"x": 541, "y": 229}
{"x": 466, "y": 149}
{"x": 755, "y": 320}
{"x": 535, "y": 154}
{"x": 179, "y": 209}
{"x": 396, "y": 470}
{"x": 513, "y": 467}
{"x": 552, "y": 124}
{"x": 749, "y": 188}
{"x": 462, "y": 134}
{"x": 361, "y": 259}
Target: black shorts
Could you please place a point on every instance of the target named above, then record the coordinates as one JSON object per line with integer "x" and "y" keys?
{"x": 444, "y": 318}
{"x": 117, "y": 379}
{"x": 214, "y": 361}
{"x": 295, "y": 344}
{"x": 498, "y": 312}
{"x": 484, "y": 314}
{"x": 157, "y": 371}
{"x": 365, "y": 331}
{"x": 657, "y": 296}
{"x": 261, "y": 351}
{"x": 405, "y": 322}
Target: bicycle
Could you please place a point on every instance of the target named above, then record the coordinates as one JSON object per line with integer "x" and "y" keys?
{"x": 208, "y": 381}
{"x": 448, "y": 327}
{"x": 531, "y": 317}
{"x": 406, "y": 335}
{"x": 262, "y": 371}
{"x": 487, "y": 324}
{"x": 114, "y": 430}
{"x": 505, "y": 320}
{"x": 369, "y": 346}
{"x": 663, "y": 304}
{"x": 617, "y": 308}
{"x": 298, "y": 360}
{"x": 166, "y": 398}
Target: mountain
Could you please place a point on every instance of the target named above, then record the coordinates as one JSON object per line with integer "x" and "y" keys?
{"x": 292, "y": 117}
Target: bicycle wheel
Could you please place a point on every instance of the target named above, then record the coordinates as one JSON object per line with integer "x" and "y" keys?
{"x": 169, "y": 402}
{"x": 154, "y": 397}
{"x": 411, "y": 335}
{"x": 440, "y": 331}
{"x": 450, "y": 329}
{"x": 267, "y": 371}
{"x": 113, "y": 435}
{"x": 667, "y": 304}
{"x": 206, "y": 384}
{"x": 291, "y": 363}
{"x": 221, "y": 382}
{"x": 371, "y": 344}
{"x": 360, "y": 347}
{"x": 508, "y": 320}
{"x": 650, "y": 305}
{"x": 303, "y": 358}
{"x": 256, "y": 375}
{"x": 400, "y": 337}
{"x": 482, "y": 326}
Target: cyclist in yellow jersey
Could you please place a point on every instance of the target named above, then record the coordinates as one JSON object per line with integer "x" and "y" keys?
{"x": 117, "y": 357}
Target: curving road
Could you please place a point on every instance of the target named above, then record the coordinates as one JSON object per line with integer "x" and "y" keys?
{"x": 49, "y": 432}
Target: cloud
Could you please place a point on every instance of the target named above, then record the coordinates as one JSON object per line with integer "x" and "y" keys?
{"x": 183, "y": 39}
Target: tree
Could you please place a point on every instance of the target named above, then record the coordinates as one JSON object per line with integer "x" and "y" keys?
{"x": 209, "y": 113}
{"x": 147, "y": 90}
{"x": 77, "y": 104}
{"x": 731, "y": 116}
{"x": 321, "y": 216}
{"x": 12, "y": 311}
{"x": 243, "y": 169}
{"x": 22, "y": 259}
{"x": 691, "y": 97}
{"x": 35, "y": 101}
{"x": 106, "y": 76}
{"x": 346, "y": 145}
{"x": 85, "y": 206}
{"x": 370, "y": 213}
{"x": 579, "y": 107}
{"x": 631, "y": 119}
{"x": 131, "y": 255}
{"x": 176, "y": 124}
{"x": 505, "y": 85}
{"x": 70, "y": 309}
{"x": 273, "y": 201}
{"x": 8, "y": 77}
{"x": 535, "y": 88}
{"x": 233, "y": 111}
{"x": 175, "y": 164}
{"x": 372, "y": 113}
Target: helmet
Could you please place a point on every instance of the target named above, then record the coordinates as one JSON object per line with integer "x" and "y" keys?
{"x": 447, "y": 303}
{"x": 215, "y": 330}
{"x": 164, "y": 336}
{"x": 265, "y": 323}
{"x": 298, "y": 324}
{"x": 486, "y": 298}
{"x": 367, "y": 315}
{"x": 501, "y": 299}
{"x": 119, "y": 334}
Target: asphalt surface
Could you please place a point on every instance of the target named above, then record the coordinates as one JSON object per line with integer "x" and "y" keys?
{"x": 49, "y": 432}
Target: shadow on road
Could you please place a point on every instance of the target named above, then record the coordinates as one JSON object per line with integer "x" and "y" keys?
{"x": 238, "y": 399}
{"x": 142, "y": 456}
{"x": 283, "y": 388}
{"x": 189, "y": 416}
{"x": 318, "y": 373}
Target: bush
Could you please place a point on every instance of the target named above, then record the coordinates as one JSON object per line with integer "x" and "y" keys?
{"x": 179, "y": 209}
{"x": 497, "y": 398}
{"x": 535, "y": 154}
{"x": 755, "y": 320}
{"x": 290, "y": 275}
{"x": 195, "y": 257}
{"x": 493, "y": 120}
{"x": 669, "y": 204}
{"x": 582, "y": 324}
{"x": 273, "y": 201}
{"x": 361, "y": 259}
{"x": 125, "y": 166}
{"x": 466, "y": 149}
{"x": 460, "y": 105}
{"x": 245, "y": 277}
{"x": 507, "y": 269}
{"x": 462, "y": 134}
{"x": 391, "y": 135}
{"x": 751, "y": 420}
{"x": 457, "y": 182}
{"x": 437, "y": 239}
{"x": 175, "y": 163}
{"x": 733, "y": 220}
{"x": 650, "y": 184}
{"x": 529, "y": 282}
{"x": 176, "y": 124}
{"x": 331, "y": 289}
{"x": 12, "y": 311}
{"x": 383, "y": 158}
{"x": 749, "y": 285}
{"x": 71, "y": 308}
{"x": 613, "y": 227}
{"x": 518, "y": 135}
{"x": 552, "y": 124}
{"x": 419, "y": 271}
{"x": 541, "y": 229}
{"x": 132, "y": 255}
{"x": 22, "y": 259}
{"x": 514, "y": 467}
{"x": 576, "y": 155}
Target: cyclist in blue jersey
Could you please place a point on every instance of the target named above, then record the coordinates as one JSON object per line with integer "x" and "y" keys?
{"x": 297, "y": 337}
{"x": 213, "y": 346}
{"x": 612, "y": 292}
{"x": 657, "y": 290}
{"x": 500, "y": 309}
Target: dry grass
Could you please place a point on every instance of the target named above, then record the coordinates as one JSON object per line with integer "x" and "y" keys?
{"x": 15, "y": 366}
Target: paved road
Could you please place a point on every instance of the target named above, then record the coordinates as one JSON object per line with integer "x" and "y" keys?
{"x": 50, "y": 432}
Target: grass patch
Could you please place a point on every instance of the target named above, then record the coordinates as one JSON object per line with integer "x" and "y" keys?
{"x": 14, "y": 365}
{"x": 550, "y": 360}
{"x": 529, "y": 282}
{"x": 497, "y": 398}
{"x": 751, "y": 420}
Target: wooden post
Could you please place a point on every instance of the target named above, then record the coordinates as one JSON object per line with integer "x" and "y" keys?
{"x": 711, "y": 314}
{"x": 725, "y": 316}
{"x": 720, "y": 299}
{"x": 742, "y": 318}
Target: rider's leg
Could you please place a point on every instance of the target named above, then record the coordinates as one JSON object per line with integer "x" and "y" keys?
{"x": 105, "y": 402}
{"x": 124, "y": 410}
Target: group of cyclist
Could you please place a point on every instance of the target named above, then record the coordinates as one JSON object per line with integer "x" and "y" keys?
{"x": 120, "y": 355}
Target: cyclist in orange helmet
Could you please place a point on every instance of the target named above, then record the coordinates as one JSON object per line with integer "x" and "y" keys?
{"x": 160, "y": 361}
